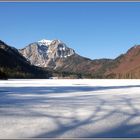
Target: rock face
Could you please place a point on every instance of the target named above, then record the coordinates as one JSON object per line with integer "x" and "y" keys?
{"x": 45, "y": 53}
{"x": 14, "y": 65}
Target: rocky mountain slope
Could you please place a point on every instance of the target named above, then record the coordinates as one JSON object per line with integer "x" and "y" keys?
{"x": 14, "y": 65}
{"x": 45, "y": 53}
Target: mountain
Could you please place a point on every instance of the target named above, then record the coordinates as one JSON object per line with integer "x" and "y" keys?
{"x": 14, "y": 65}
{"x": 56, "y": 55}
{"x": 46, "y": 53}
{"x": 126, "y": 65}
{"x": 47, "y": 58}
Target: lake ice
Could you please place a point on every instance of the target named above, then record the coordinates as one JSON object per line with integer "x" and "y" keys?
{"x": 69, "y": 108}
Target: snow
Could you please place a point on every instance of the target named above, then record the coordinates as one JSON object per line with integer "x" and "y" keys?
{"x": 60, "y": 48}
{"x": 69, "y": 108}
{"x": 64, "y": 48}
{"x": 45, "y": 42}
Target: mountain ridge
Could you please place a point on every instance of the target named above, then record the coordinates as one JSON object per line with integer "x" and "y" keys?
{"x": 97, "y": 68}
{"x": 55, "y": 56}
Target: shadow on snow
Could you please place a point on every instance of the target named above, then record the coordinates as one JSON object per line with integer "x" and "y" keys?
{"x": 123, "y": 130}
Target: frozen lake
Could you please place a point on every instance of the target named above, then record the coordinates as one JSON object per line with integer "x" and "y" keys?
{"x": 69, "y": 108}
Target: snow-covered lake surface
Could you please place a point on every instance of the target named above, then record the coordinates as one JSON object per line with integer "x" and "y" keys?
{"x": 69, "y": 108}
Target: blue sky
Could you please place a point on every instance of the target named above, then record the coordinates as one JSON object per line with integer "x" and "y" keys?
{"x": 93, "y": 29}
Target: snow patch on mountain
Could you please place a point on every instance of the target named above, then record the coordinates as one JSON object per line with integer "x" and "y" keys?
{"x": 45, "y": 42}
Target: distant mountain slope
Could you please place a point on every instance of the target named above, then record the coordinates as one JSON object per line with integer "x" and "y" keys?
{"x": 126, "y": 65}
{"x": 81, "y": 64}
{"x": 14, "y": 65}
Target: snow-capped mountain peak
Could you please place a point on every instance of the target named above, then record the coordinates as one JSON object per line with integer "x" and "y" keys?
{"x": 45, "y": 42}
{"x": 45, "y": 53}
